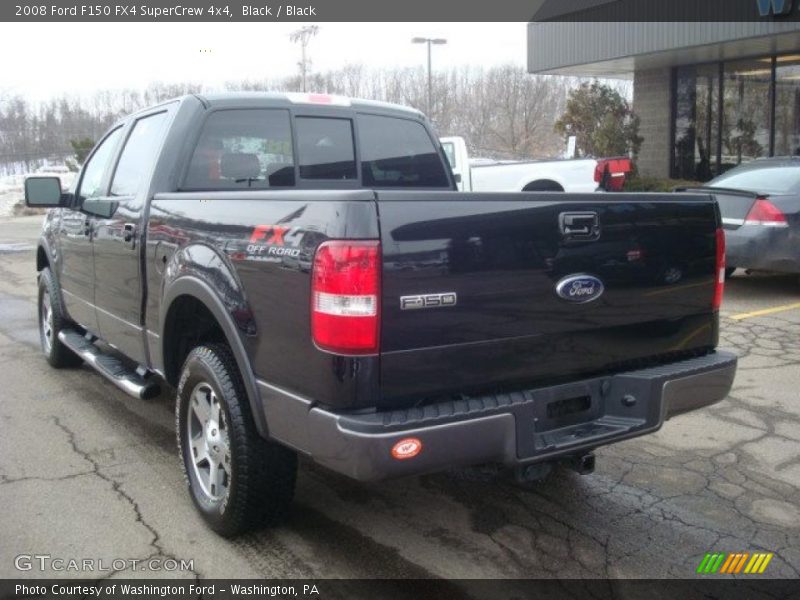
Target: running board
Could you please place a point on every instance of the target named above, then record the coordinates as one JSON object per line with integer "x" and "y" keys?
{"x": 132, "y": 382}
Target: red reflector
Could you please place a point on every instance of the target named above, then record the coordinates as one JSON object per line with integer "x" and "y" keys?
{"x": 345, "y": 297}
{"x": 719, "y": 283}
{"x": 765, "y": 212}
{"x": 407, "y": 448}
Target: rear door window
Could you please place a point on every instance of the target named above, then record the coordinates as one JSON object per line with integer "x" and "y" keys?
{"x": 325, "y": 148}
{"x": 243, "y": 149}
{"x": 398, "y": 152}
{"x": 138, "y": 155}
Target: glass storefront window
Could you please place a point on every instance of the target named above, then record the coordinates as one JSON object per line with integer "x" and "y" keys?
{"x": 683, "y": 143}
{"x": 696, "y": 122}
{"x": 706, "y": 166}
{"x": 787, "y": 106}
{"x": 745, "y": 113}
{"x": 708, "y": 141}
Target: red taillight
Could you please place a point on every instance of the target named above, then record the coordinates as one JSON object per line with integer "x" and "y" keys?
{"x": 610, "y": 173}
{"x": 345, "y": 297}
{"x": 765, "y": 212}
{"x": 719, "y": 283}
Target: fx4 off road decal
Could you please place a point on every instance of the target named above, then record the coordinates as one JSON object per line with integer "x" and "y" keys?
{"x": 271, "y": 242}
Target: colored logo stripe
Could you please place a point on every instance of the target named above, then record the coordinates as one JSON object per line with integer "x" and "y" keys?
{"x": 758, "y": 563}
{"x": 734, "y": 563}
{"x": 711, "y": 563}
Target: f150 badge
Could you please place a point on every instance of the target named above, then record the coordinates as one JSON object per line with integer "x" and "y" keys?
{"x": 579, "y": 288}
{"x": 428, "y": 301}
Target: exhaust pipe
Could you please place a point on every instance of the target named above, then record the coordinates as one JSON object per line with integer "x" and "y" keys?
{"x": 582, "y": 463}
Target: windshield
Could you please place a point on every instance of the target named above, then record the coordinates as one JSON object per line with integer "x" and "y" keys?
{"x": 450, "y": 151}
{"x": 764, "y": 178}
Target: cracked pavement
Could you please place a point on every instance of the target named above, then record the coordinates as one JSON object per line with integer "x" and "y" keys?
{"x": 86, "y": 472}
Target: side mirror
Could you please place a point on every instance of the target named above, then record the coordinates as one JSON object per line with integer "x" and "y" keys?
{"x": 43, "y": 192}
{"x": 457, "y": 177}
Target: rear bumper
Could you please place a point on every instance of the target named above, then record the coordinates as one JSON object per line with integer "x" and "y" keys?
{"x": 512, "y": 429}
{"x": 763, "y": 248}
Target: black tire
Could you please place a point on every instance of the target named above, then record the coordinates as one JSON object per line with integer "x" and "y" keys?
{"x": 256, "y": 487}
{"x": 729, "y": 272}
{"x": 49, "y": 303}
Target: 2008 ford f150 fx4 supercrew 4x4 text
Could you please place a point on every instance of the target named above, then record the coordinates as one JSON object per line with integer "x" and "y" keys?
{"x": 303, "y": 271}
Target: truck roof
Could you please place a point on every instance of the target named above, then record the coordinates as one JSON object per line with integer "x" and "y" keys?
{"x": 295, "y": 98}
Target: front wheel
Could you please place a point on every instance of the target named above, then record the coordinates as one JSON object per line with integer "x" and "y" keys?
{"x": 237, "y": 479}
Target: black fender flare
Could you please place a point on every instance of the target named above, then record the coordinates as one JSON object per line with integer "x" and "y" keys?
{"x": 189, "y": 285}
{"x": 44, "y": 245}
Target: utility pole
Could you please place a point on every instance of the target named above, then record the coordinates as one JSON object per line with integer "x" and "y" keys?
{"x": 429, "y": 41}
{"x": 303, "y": 36}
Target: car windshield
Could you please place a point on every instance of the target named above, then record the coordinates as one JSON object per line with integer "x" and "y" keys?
{"x": 773, "y": 178}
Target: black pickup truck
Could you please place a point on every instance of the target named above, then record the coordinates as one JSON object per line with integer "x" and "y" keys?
{"x": 302, "y": 270}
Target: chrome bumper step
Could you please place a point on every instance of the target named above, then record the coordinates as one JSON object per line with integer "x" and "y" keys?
{"x": 128, "y": 380}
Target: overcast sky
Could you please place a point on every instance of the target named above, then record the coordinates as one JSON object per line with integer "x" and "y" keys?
{"x": 46, "y": 59}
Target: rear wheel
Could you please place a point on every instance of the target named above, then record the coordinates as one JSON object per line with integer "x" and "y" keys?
{"x": 237, "y": 479}
{"x": 51, "y": 321}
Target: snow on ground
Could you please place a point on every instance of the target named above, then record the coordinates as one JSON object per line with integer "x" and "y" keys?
{"x": 8, "y": 198}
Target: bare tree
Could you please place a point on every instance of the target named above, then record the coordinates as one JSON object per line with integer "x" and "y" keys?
{"x": 502, "y": 112}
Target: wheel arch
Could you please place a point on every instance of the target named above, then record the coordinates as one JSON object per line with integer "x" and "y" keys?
{"x": 45, "y": 259}
{"x": 42, "y": 258}
{"x": 192, "y": 289}
{"x": 543, "y": 185}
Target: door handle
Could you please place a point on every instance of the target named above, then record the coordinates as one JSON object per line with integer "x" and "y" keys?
{"x": 128, "y": 232}
{"x": 579, "y": 225}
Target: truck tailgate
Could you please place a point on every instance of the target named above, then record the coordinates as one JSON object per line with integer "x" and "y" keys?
{"x": 470, "y": 287}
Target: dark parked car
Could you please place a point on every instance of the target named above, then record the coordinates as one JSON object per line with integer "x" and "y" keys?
{"x": 760, "y": 206}
{"x": 302, "y": 270}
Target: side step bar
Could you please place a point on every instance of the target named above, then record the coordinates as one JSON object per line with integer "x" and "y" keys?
{"x": 132, "y": 382}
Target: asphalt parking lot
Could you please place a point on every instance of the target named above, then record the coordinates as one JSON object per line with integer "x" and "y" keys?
{"x": 86, "y": 472}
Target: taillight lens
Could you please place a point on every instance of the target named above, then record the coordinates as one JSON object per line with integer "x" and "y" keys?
{"x": 617, "y": 169}
{"x": 719, "y": 283}
{"x": 345, "y": 297}
{"x": 765, "y": 212}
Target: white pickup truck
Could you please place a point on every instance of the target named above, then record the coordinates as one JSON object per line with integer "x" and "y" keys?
{"x": 565, "y": 175}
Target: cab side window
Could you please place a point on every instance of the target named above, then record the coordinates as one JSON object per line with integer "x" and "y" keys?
{"x": 93, "y": 171}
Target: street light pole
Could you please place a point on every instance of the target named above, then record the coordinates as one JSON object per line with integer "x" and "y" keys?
{"x": 304, "y": 35}
{"x": 429, "y": 41}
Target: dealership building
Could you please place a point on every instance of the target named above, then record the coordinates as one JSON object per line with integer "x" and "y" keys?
{"x": 709, "y": 95}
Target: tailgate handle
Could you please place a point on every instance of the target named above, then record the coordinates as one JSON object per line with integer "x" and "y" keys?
{"x": 579, "y": 225}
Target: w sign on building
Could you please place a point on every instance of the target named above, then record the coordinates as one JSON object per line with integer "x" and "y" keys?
{"x": 774, "y": 7}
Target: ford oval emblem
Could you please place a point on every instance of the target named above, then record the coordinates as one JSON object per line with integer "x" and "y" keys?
{"x": 580, "y": 288}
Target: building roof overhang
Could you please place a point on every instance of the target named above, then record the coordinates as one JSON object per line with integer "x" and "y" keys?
{"x": 618, "y": 49}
